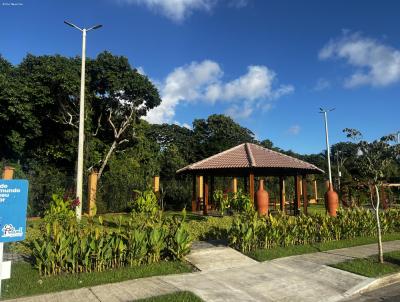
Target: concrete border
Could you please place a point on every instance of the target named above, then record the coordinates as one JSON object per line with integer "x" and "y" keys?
{"x": 373, "y": 283}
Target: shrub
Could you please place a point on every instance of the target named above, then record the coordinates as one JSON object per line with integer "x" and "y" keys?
{"x": 71, "y": 247}
{"x": 249, "y": 231}
{"x": 145, "y": 202}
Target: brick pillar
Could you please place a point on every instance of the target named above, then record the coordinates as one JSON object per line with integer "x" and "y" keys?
{"x": 92, "y": 190}
{"x": 8, "y": 172}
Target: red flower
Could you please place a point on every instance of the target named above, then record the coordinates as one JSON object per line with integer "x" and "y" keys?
{"x": 75, "y": 203}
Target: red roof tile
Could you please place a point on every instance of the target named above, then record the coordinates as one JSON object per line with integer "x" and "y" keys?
{"x": 249, "y": 155}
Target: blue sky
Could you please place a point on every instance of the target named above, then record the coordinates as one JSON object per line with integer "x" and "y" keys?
{"x": 268, "y": 64}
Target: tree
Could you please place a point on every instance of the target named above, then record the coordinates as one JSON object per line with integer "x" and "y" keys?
{"x": 121, "y": 96}
{"x": 218, "y": 133}
{"x": 373, "y": 162}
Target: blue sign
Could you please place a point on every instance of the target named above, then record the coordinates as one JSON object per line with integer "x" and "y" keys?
{"x": 13, "y": 206}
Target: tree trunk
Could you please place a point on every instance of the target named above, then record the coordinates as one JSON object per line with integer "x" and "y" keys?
{"x": 378, "y": 224}
{"x": 103, "y": 165}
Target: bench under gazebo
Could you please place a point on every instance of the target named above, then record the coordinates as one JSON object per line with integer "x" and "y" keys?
{"x": 248, "y": 161}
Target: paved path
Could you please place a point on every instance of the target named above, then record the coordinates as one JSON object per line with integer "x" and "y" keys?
{"x": 230, "y": 276}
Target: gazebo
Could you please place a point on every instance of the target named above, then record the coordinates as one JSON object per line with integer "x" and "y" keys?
{"x": 249, "y": 161}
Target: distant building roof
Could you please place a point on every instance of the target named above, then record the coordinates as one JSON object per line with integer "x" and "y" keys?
{"x": 249, "y": 156}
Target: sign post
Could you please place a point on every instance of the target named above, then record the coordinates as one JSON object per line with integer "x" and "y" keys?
{"x": 13, "y": 206}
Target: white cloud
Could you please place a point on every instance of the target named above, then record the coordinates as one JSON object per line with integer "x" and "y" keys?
{"x": 376, "y": 64}
{"x": 176, "y": 10}
{"x": 322, "y": 84}
{"x": 202, "y": 81}
{"x": 294, "y": 130}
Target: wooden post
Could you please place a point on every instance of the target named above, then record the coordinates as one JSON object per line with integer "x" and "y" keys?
{"x": 156, "y": 184}
{"x": 92, "y": 190}
{"x": 296, "y": 202}
{"x": 251, "y": 185}
{"x": 212, "y": 188}
{"x": 205, "y": 198}
{"x": 305, "y": 197}
{"x": 194, "y": 199}
{"x": 8, "y": 172}
{"x": 282, "y": 194}
{"x": 234, "y": 185}
{"x": 199, "y": 190}
{"x": 315, "y": 191}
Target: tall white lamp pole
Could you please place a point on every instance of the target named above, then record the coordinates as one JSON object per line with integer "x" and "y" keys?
{"x": 328, "y": 148}
{"x": 79, "y": 173}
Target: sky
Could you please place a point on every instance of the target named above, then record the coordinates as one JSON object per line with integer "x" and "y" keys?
{"x": 270, "y": 65}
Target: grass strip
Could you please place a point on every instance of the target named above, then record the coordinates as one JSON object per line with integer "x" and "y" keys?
{"x": 371, "y": 267}
{"x": 279, "y": 252}
{"x": 25, "y": 280}
{"x": 183, "y": 296}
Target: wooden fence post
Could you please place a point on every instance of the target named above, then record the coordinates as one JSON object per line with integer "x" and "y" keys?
{"x": 8, "y": 172}
{"x": 92, "y": 190}
{"x": 156, "y": 184}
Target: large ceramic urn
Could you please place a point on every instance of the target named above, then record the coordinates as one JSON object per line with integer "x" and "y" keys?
{"x": 262, "y": 199}
{"x": 331, "y": 201}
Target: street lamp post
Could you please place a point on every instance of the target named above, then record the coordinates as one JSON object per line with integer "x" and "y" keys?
{"x": 331, "y": 197}
{"x": 328, "y": 148}
{"x": 79, "y": 173}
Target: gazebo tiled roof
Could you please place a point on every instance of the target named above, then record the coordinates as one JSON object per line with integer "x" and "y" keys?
{"x": 251, "y": 156}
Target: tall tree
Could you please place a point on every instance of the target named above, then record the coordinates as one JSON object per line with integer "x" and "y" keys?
{"x": 121, "y": 96}
{"x": 218, "y": 133}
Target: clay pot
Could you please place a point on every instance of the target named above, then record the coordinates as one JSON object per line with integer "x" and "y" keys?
{"x": 262, "y": 199}
{"x": 331, "y": 201}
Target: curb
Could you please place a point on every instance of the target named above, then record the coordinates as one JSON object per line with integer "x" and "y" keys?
{"x": 372, "y": 283}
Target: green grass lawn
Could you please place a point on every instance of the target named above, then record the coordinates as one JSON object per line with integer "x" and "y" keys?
{"x": 370, "y": 267}
{"x": 25, "y": 280}
{"x": 183, "y": 296}
{"x": 278, "y": 252}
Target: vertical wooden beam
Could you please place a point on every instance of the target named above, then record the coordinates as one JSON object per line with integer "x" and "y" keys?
{"x": 251, "y": 185}
{"x": 199, "y": 191}
{"x": 212, "y": 188}
{"x": 92, "y": 191}
{"x": 8, "y": 172}
{"x": 194, "y": 199}
{"x": 205, "y": 198}
{"x": 297, "y": 201}
{"x": 282, "y": 193}
{"x": 305, "y": 197}
{"x": 234, "y": 185}
{"x": 315, "y": 191}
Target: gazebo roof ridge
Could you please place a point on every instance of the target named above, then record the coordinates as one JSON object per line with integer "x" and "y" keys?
{"x": 251, "y": 156}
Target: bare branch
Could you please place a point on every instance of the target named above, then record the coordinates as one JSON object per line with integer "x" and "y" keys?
{"x": 98, "y": 124}
{"x": 112, "y": 124}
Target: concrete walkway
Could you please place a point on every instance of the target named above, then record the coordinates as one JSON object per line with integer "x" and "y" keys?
{"x": 230, "y": 276}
